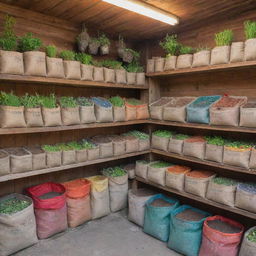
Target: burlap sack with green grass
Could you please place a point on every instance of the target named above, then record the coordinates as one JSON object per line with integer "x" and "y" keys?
{"x": 109, "y": 75}
{"x": 160, "y": 140}
{"x": 184, "y": 61}
{"x": 51, "y": 116}
{"x": 72, "y": 69}
{"x": 93, "y": 153}
{"x": 141, "y": 169}
{"x": 53, "y": 159}
{"x": 140, "y": 78}
{"x": 194, "y": 149}
{"x": 119, "y": 114}
{"x": 170, "y": 63}
{"x": 70, "y": 116}
{"x": 150, "y": 65}
{"x": 11, "y": 117}
{"x": 175, "y": 146}
{"x": 159, "y": 64}
{"x": 220, "y": 55}
{"x": 201, "y": 58}
{"x": 11, "y": 63}
{"x": 121, "y": 76}
{"x": 87, "y": 114}
{"x": 237, "y": 52}
{"x": 131, "y": 78}
{"x": 68, "y": 157}
{"x": 33, "y": 117}
{"x": 86, "y": 72}
{"x": 34, "y": 63}
{"x": 98, "y": 74}
{"x": 248, "y": 247}
{"x": 250, "y": 49}
{"x": 213, "y": 153}
{"x": 4, "y": 163}
{"x": 55, "y": 67}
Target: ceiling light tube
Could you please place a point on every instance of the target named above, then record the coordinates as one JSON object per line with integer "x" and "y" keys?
{"x": 146, "y": 10}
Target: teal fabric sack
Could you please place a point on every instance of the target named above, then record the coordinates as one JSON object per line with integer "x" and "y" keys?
{"x": 198, "y": 110}
{"x": 186, "y": 236}
{"x": 157, "y": 219}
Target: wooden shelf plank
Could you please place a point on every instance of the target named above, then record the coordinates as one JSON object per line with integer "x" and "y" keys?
{"x": 66, "y": 82}
{"x": 204, "y": 162}
{"x": 211, "y": 68}
{"x": 200, "y": 199}
{"x": 15, "y": 176}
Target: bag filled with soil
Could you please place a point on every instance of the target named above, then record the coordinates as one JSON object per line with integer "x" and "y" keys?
{"x": 250, "y": 49}
{"x": 51, "y": 116}
{"x": 248, "y": 246}
{"x": 38, "y": 157}
{"x": 11, "y": 62}
{"x": 220, "y": 55}
{"x": 12, "y": 117}
{"x": 201, "y": 58}
{"x": 4, "y": 163}
{"x": 160, "y": 139}
{"x": 54, "y": 67}
{"x": 86, "y": 110}
{"x": 156, "y": 172}
{"x": 121, "y": 76}
{"x": 141, "y": 169}
{"x": 72, "y": 69}
{"x": 248, "y": 115}
{"x": 103, "y": 110}
{"x": 86, "y": 72}
{"x": 34, "y": 63}
{"x": 214, "y": 149}
{"x": 159, "y": 64}
{"x": 157, "y": 108}
{"x": 119, "y": 144}
{"x": 194, "y": 146}
{"x": 98, "y": 74}
{"x": 237, "y": 52}
{"x": 53, "y": 155}
{"x": 150, "y": 65}
{"x": 176, "y": 143}
{"x": 109, "y": 75}
{"x": 131, "y": 78}
{"x": 130, "y": 169}
{"x": 105, "y": 144}
{"x": 170, "y": 63}
{"x": 140, "y": 78}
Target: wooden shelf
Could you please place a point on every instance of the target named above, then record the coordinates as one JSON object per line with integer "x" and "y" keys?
{"x": 203, "y": 162}
{"x": 65, "y": 82}
{"x": 15, "y": 176}
{"x": 212, "y": 68}
{"x": 205, "y": 126}
{"x": 200, "y": 199}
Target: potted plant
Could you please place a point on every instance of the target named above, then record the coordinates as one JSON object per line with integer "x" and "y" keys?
{"x": 118, "y": 108}
{"x": 94, "y": 45}
{"x": 201, "y": 57}
{"x": 185, "y": 58}
{"x": 86, "y": 66}
{"x": 83, "y": 39}
{"x": 104, "y": 44}
{"x": 33, "y": 115}
{"x": 131, "y": 69}
{"x": 34, "y": 60}
{"x": 50, "y": 110}
{"x": 98, "y": 71}
{"x": 54, "y": 65}
{"x": 71, "y": 66}
{"x": 53, "y": 155}
{"x": 250, "y": 43}
{"x": 119, "y": 71}
{"x": 69, "y": 111}
{"x": 220, "y": 53}
{"x": 109, "y": 72}
{"x": 86, "y": 109}
{"x": 11, "y": 61}
{"x": 11, "y": 111}
{"x": 214, "y": 148}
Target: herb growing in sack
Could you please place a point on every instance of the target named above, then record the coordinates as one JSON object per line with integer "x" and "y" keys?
{"x": 86, "y": 110}
{"x": 214, "y": 148}
{"x": 144, "y": 139}
{"x": 156, "y": 172}
{"x": 160, "y": 139}
{"x": 53, "y": 155}
{"x": 118, "y": 108}
{"x": 185, "y": 57}
{"x": 250, "y": 43}
{"x": 248, "y": 246}
{"x": 176, "y": 143}
{"x": 86, "y": 66}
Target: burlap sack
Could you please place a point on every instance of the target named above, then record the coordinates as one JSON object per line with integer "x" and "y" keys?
{"x": 53, "y": 159}
{"x": 109, "y": 75}
{"x": 79, "y": 210}
{"x": 245, "y": 200}
{"x": 81, "y": 155}
{"x": 213, "y": 153}
{"x": 201, "y": 58}
{"x": 194, "y": 149}
{"x": 34, "y": 63}
{"x": 248, "y": 248}
{"x": 51, "y": 116}
{"x": 33, "y": 117}
{"x": 130, "y": 112}
{"x": 157, "y": 175}
{"x": 184, "y": 61}
{"x": 140, "y": 78}
{"x": 86, "y": 72}
{"x": 141, "y": 169}
{"x": 142, "y": 112}
{"x": 87, "y": 114}
{"x": 93, "y": 153}
{"x": 131, "y": 78}
{"x": 98, "y": 74}
{"x": 72, "y": 69}
{"x": 68, "y": 157}
{"x": 54, "y": 67}
{"x": 220, "y": 55}
{"x": 237, "y": 52}
{"x": 4, "y": 163}
{"x": 70, "y": 116}
{"x": 11, "y": 117}
{"x": 130, "y": 169}
{"x": 150, "y": 65}
{"x": 131, "y": 144}
{"x": 119, "y": 145}
{"x": 247, "y": 116}
{"x": 11, "y": 63}
{"x": 121, "y": 76}
{"x": 175, "y": 146}
{"x": 106, "y": 149}
{"x": 170, "y": 63}
{"x": 160, "y": 143}
{"x": 156, "y": 110}
{"x": 159, "y": 64}
{"x": 144, "y": 144}
{"x": 103, "y": 114}
{"x": 236, "y": 158}
{"x": 119, "y": 114}
{"x": 250, "y": 49}
{"x": 252, "y": 162}
{"x": 226, "y": 115}
{"x": 221, "y": 193}
{"x": 38, "y": 157}
{"x": 17, "y": 230}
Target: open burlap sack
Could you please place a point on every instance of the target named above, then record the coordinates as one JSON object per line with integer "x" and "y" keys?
{"x": 131, "y": 77}
{"x": 236, "y": 158}
{"x": 157, "y": 108}
{"x": 119, "y": 146}
{"x": 246, "y": 198}
{"x": 98, "y": 74}
{"x": 184, "y": 61}
{"x": 4, "y": 163}
{"x": 248, "y": 248}
{"x": 220, "y": 55}
{"x": 11, "y": 117}
{"x": 53, "y": 159}
{"x": 159, "y": 64}
{"x": 131, "y": 144}
{"x": 87, "y": 114}
{"x": 201, "y": 58}
{"x": 34, "y": 63}
{"x": 33, "y": 117}
{"x": 150, "y": 65}
{"x": 106, "y": 149}
{"x": 213, "y": 153}
{"x": 141, "y": 169}
{"x": 51, "y": 116}
{"x": 144, "y": 144}
{"x": 140, "y": 78}
{"x": 121, "y": 76}
{"x": 252, "y": 162}
{"x": 194, "y": 149}
{"x": 86, "y": 72}
{"x": 157, "y": 175}
{"x": 38, "y": 157}
{"x": 119, "y": 114}
{"x": 72, "y": 69}
{"x": 68, "y": 157}
{"x": 109, "y": 75}
{"x": 130, "y": 112}
{"x": 221, "y": 193}
{"x": 11, "y": 63}
{"x": 81, "y": 155}
{"x": 248, "y": 116}
{"x": 237, "y": 52}
{"x": 250, "y": 49}
{"x": 160, "y": 143}
{"x": 70, "y": 116}
{"x": 142, "y": 111}
{"x": 175, "y": 146}
{"x": 54, "y": 67}
{"x": 103, "y": 114}
{"x": 93, "y": 153}
{"x": 130, "y": 169}
{"x": 170, "y": 63}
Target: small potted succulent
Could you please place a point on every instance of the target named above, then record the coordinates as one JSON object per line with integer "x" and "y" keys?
{"x": 221, "y": 53}
{"x": 104, "y": 44}
{"x": 11, "y": 61}
{"x": 98, "y": 71}
{"x": 201, "y": 57}
{"x": 54, "y": 65}
{"x": 86, "y": 109}
{"x": 109, "y": 72}
{"x": 185, "y": 58}
{"x": 83, "y": 39}
{"x": 86, "y": 66}
{"x": 34, "y": 60}
{"x": 94, "y": 45}
{"x": 250, "y": 43}
{"x": 71, "y": 66}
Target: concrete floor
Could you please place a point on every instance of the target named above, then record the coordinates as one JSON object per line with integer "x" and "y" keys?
{"x": 113, "y": 235}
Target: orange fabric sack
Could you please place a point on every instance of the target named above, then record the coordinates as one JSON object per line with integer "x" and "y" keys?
{"x": 142, "y": 111}
{"x": 77, "y": 188}
{"x": 130, "y": 112}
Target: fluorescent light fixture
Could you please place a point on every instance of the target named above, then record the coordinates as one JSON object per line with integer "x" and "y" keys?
{"x": 146, "y": 10}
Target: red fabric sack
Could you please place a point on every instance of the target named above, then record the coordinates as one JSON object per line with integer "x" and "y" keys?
{"x": 216, "y": 243}
{"x": 52, "y": 203}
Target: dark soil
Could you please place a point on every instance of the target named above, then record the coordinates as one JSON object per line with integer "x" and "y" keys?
{"x": 191, "y": 215}
{"x": 161, "y": 102}
{"x": 223, "y": 227}
{"x": 35, "y": 150}
{"x": 180, "y": 102}
{"x": 49, "y": 195}
{"x": 16, "y": 151}
{"x": 3, "y": 154}
{"x": 161, "y": 203}
{"x": 250, "y": 105}
{"x": 144, "y": 192}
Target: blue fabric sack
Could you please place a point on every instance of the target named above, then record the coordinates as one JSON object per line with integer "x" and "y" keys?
{"x": 157, "y": 219}
{"x": 198, "y": 110}
{"x": 186, "y": 236}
